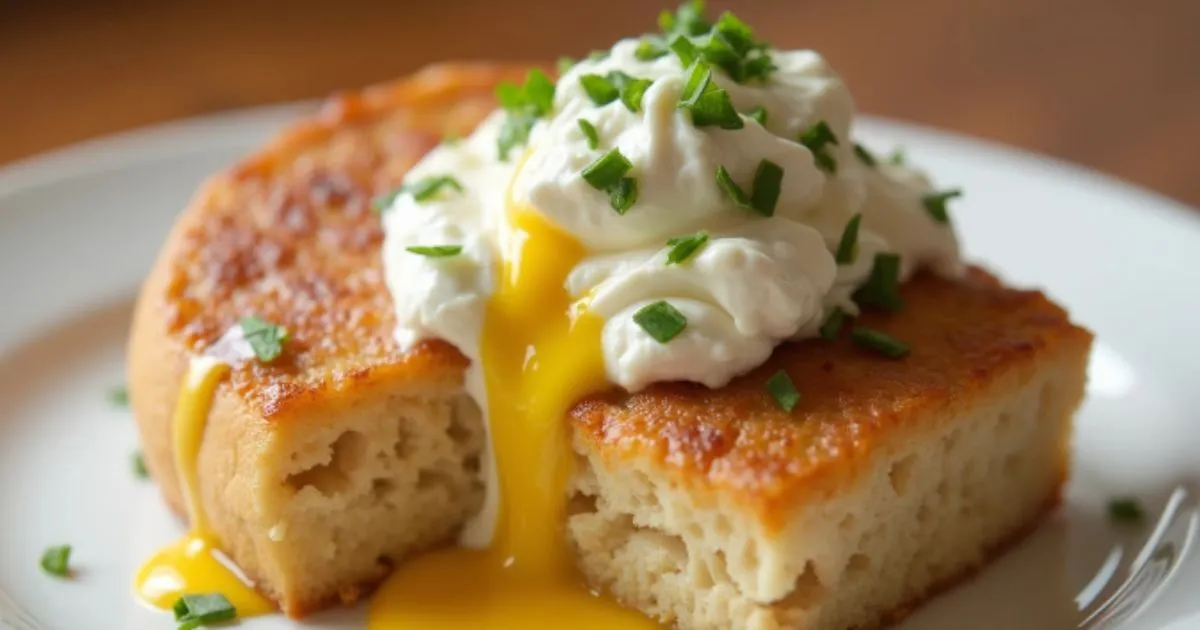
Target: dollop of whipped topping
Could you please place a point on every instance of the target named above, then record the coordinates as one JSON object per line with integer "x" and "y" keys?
{"x": 760, "y": 275}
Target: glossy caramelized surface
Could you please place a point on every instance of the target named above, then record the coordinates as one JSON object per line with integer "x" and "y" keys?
{"x": 290, "y": 234}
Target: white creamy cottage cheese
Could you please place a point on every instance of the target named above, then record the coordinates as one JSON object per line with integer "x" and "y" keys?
{"x": 756, "y": 282}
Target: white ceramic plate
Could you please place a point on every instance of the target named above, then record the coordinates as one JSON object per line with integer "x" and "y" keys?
{"x": 80, "y": 227}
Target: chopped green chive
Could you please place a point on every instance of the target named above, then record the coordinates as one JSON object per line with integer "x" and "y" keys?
{"x": 57, "y": 560}
{"x": 265, "y": 339}
{"x": 193, "y": 611}
{"x": 589, "y": 131}
{"x": 879, "y": 341}
{"x": 935, "y": 204}
{"x": 139, "y": 466}
{"x": 118, "y": 396}
{"x": 427, "y": 188}
{"x": 661, "y": 321}
{"x": 882, "y": 287}
{"x": 434, "y": 251}
{"x": 524, "y": 104}
{"x": 607, "y": 173}
{"x": 649, "y": 50}
{"x": 451, "y": 138}
{"x": 514, "y": 133}
{"x": 623, "y": 195}
{"x": 847, "y": 250}
{"x": 768, "y": 180}
{"x": 565, "y": 64}
{"x": 817, "y": 139}
{"x": 699, "y": 75}
{"x": 758, "y": 115}
{"x": 764, "y": 195}
{"x": 685, "y": 50}
{"x": 607, "y": 170}
{"x": 897, "y": 158}
{"x": 683, "y": 247}
{"x": 832, "y": 324}
{"x": 732, "y": 190}
{"x": 688, "y": 19}
{"x": 714, "y": 109}
{"x": 863, "y": 155}
{"x": 632, "y": 93}
{"x": 599, "y": 89}
{"x": 783, "y": 390}
{"x": 1126, "y": 511}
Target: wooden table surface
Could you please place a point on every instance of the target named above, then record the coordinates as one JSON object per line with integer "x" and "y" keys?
{"x": 1112, "y": 84}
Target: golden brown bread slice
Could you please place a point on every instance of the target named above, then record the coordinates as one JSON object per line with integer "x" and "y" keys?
{"x": 707, "y": 509}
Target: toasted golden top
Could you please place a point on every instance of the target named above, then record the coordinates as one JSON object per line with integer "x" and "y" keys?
{"x": 963, "y": 333}
{"x": 289, "y": 235}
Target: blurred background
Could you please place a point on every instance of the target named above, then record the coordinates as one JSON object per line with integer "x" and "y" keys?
{"x": 1111, "y": 84}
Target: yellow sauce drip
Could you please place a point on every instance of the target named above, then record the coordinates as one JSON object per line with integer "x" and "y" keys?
{"x": 538, "y": 359}
{"x": 194, "y": 564}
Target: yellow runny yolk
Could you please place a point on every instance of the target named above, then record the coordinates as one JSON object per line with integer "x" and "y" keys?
{"x": 539, "y": 357}
{"x": 193, "y": 564}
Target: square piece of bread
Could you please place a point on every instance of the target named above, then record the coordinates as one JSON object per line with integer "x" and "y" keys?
{"x": 704, "y": 508}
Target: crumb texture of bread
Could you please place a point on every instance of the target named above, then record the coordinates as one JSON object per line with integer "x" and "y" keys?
{"x": 938, "y": 492}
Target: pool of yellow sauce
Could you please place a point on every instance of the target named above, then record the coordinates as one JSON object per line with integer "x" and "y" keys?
{"x": 539, "y": 357}
{"x": 194, "y": 564}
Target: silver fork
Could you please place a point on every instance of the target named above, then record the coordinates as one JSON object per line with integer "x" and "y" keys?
{"x": 1121, "y": 591}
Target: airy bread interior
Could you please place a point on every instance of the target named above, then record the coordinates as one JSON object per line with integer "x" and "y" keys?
{"x": 929, "y": 507}
{"x": 330, "y": 503}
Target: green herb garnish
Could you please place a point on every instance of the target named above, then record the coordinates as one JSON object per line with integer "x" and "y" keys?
{"x": 193, "y": 611}
{"x": 608, "y": 173}
{"x": 661, "y": 321}
{"x": 687, "y": 20}
{"x": 632, "y": 93}
{"x": 589, "y": 131}
{"x": 879, "y": 341}
{"x": 685, "y": 50}
{"x": 897, "y": 158}
{"x": 265, "y": 339}
{"x": 524, "y": 104}
{"x": 139, "y": 466}
{"x": 1126, "y": 511}
{"x": 623, "y": 195}
{"x": 783, "y": 390}
{"x": 434, "y": 251}
{"x": 599, "y": 89}
{"x": 817, "y": 139}
{"x": 768, "y": 181}
{"x": 57, "y": 560}
{"x": 833, "y": 323}
{"x": 649, "y": 49}
{"x": 764, "y": 194}
{"x": 698, "y": 77}
{"x": 607, "y": 170}
{"x": 759, "y": 115}
{"x": 863, "y": 155}
{"x": 118, "y": 396}
{"x": 427, "y": 188}
{"x": 683, "y": 247}
{"x": 882, "y": 288}
{"x": 847, "y": 250}
{"x": 935, "y": 204}
{"x": 714, "y": 109}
